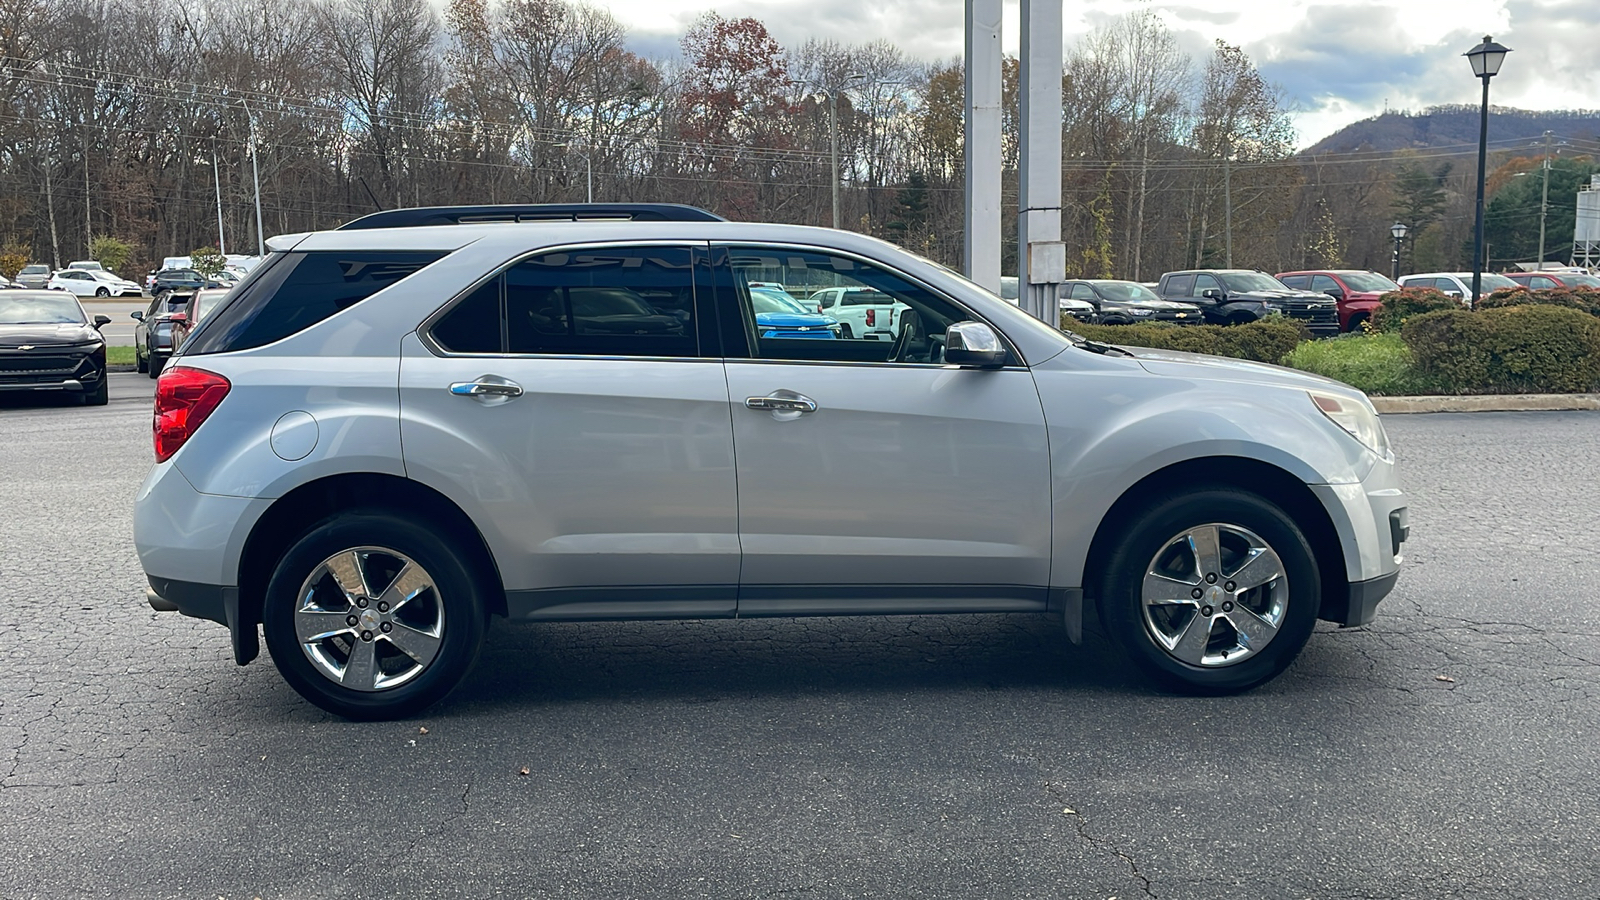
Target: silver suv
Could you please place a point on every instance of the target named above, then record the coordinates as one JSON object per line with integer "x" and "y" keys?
{"x": 392, "y": 432}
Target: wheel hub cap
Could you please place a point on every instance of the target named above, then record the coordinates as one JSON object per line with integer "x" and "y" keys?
{"x": 1214, "y": 595}
{"x": 369, "y": 619}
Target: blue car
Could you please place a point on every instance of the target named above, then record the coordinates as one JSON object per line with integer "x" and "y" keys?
{"x": 780, "y": 315}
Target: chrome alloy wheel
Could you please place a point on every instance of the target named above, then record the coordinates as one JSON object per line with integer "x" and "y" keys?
{"x": 1214, "y": 595}
{"x": 369, "y": 619}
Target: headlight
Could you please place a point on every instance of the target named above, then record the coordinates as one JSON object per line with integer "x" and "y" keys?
{"x": 1140, "y": 312}
{"x": 1270, "y": 307}
{"x": 1358, "y": 418}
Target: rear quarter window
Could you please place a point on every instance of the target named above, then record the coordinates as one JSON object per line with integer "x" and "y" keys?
{"x": 292, "y": 292}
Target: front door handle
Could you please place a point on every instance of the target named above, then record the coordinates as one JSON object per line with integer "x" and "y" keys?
{"x": 783, "y": 401}
{"x": 487, "y": 387}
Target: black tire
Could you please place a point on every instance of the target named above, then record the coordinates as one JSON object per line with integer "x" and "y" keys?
{"x": 1356, "y": 322}
{"x": 101, "y": 292}
{"x": 1151, "y": 545}
{"x": 153, "y": 366}
{"x": 456, "y": 598}
{"x": 141, "y": 362}
{"x": 100, "y": 395}
{"x": 845, "y": 333}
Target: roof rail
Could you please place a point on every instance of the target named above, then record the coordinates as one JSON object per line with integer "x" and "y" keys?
{"x": 531, "y": 212}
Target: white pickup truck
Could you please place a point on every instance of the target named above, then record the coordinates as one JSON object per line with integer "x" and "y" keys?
{"x": 863, "y": 313}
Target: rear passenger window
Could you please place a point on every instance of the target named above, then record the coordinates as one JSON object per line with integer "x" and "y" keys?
{"x": 630, "y": 301}
{"x": 292, "y": 292}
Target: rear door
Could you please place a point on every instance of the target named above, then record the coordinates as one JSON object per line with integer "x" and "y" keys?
{"x": 871, "y": 477}
{"x": 575, "y": 406}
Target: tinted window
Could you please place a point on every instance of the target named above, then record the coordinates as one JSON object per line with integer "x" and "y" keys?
{"x": 1322, "y": 284}
{"x": 474, "y": 324}
{"x": 290, "y": 293}
{"x": 1541, "y": 281}
{"x": 636, "y": 301}
{"x": 1203, "y": 283}
{"x": 1368, "y": 281}
{"x": 1082, "y": 292}
{"x": 1298, "y": 282}
{"x": 1180, "y": 286}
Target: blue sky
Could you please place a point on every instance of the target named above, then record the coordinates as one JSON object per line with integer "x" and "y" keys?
{"x": 1338, "y": 61}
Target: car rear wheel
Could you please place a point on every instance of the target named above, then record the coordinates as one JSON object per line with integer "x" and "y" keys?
{"x": 154, "y": 364}
{"x": 373, "y": 616}
{"x": 140, "y": 361}
{"x": 845, "y": 333}
{"x": 101, "y": 292}
{"x": 1212, "y": 591}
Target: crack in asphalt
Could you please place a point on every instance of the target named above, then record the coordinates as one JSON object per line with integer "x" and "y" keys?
{"x": 1081, "y": 823}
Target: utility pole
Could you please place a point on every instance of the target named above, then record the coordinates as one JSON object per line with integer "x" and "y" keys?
{"x": 216, "y": 176}
{"x": 1041, "y": 254}
{"x": 1544, "y": 202}
{"x": 255, "y": 175}
{"x": 833, "y": 149}
{"x": 1227, "y": 206}
{"x": 981, "y": 117}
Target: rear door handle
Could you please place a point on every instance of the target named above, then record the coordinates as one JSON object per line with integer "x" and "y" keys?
{"x": 487, "y": 386}
{"x": 783, "y": 401}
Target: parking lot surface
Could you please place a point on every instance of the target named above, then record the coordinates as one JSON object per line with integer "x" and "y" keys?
{"x": 1447, "y": 750}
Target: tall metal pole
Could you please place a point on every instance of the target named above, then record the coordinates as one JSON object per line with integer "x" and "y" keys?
{"x": 216, "y": 175}
{"x": 1544, "y": 202}
{"x": 981, "y": 253}
{"x": 1227, "y": 206}
{"x": 1396, "y": 275}
{"x": 255, "y": 176}
{"x": 1477, "y": 231}
{"x": 833, "y": 143}
{"x": 1042, "y": 257}
{"x": 588, "y": 175}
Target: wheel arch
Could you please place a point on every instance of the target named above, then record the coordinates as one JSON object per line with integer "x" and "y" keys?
{"x": 294, "y": 513}
{"x": 1275, "y": 484}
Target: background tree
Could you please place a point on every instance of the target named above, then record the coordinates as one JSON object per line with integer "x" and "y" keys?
{"x": 112, "y": 252}
{"x": 207, "y": 262}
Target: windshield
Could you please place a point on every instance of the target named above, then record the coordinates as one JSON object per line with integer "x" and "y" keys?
{"x": 38, "y": 310}
{"x": 1252, "y": 281}
{"x": 1493, "y": 281}
{"x": 206, "y": 302}
{"x": 1369, "y": 281}
{"x": 1588, "y": 281}
{"x": 103, "y": 275}
{"x": 1126, "y": 291}
{"x": 766, "y": 300}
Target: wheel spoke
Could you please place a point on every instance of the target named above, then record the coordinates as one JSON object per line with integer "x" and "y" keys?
{"x": 361, "y": 669}
{"x": 1263, "y": 567}
{"x": 419, "y": 645}
{"x": 1160, "y": 589}
{"x": 347, "y": 570}
{"x": 313, "y": 625}
{"x": 1191, "y": 645}
{"x": 411, "y": 581}
{"x": 1206, "y": 545}
{"x": 1254, "y": 631}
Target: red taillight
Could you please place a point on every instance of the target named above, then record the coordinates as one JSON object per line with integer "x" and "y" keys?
{"x": 184, "y": 398}
{"x": 872, "y": 317}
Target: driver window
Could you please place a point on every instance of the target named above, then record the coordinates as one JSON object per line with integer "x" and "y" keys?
{"x": 1083, "y": 292}
{"x": 1203, "y": 283}
{"x": 873, "y": 314}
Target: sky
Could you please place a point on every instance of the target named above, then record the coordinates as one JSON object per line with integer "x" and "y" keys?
{"x": 1338, "y": 61}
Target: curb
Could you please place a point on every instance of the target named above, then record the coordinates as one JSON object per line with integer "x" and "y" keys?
{"x": 1486, "y": 403}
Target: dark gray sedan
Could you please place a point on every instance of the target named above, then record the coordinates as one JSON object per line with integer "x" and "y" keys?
{"x": 1128, "y": 302}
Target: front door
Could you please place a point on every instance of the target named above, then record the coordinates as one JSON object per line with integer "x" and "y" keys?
{"x": 567, "y": 406}
{"x": 871, "y": 476}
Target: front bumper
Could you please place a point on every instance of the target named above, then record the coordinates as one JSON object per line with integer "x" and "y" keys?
{"x": 1373, "y": 524}
{"x": 71, "y": 371}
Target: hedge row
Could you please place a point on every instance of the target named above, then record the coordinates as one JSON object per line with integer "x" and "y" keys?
{"x": 1267, "y": 340}
{"x": 1528, "y": 348}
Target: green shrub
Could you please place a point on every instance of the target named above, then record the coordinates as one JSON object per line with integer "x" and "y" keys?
{"x": 1586, "y": 299}
{"x": 1268, "y": 340}
{"x": 1398, "y": 306}
{"x": 1532, "y": 348}
{"x": 1375, "y": 363}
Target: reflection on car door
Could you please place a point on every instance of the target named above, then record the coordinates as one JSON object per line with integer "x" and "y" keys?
{"x": 866, "y": 484}
{"x": 565, "y": 404}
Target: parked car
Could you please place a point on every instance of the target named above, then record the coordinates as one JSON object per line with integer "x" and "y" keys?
{"x": 152, "y": 337}
{"x": 1358, "y": 293}
{"x": 1128, "y": 302}
{"x": 1011, "y": 292}
{"x": 1456, "y": 284}
{"x": 199, "y": 305}
{"x": 1235, "y": 296}
{"x": 1539, "y": 281}
{"x": 186, "y": 280}
{"x": 93, "y": 283}
{"x": 395, "y": 431}
{"x": 859, "y": 311}
{"x": 48, "y": 343}
{"x": 86, "y": 265}
{"x": 780, "y": 315}
{"x": 34, "y": 276}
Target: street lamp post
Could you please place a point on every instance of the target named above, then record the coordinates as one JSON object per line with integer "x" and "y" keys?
{"x": 1486, "y": 59}
{"x": 1398, "y": 230}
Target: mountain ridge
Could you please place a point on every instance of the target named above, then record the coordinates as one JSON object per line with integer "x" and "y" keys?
{"x": 1441, "y": 126}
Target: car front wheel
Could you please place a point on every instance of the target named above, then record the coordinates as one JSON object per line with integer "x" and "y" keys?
{"x": 1212, "y": 591}
{"x": 373, "y": 616}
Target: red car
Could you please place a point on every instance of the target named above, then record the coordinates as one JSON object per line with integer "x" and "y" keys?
{"x": 1356, "y": 291}
{"x": 1538, "y": 281}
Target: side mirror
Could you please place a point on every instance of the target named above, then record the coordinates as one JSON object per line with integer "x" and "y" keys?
{"x": 973, "y": 344}
{"x": 1453, "y": 294}
{"x": 1335, "y": 293}
{"x": 1211, "y": 294}
{"x": 137, "y": 315}
{"x": 101, "y": 320}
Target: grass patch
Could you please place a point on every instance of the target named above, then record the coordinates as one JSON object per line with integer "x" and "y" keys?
{"x": 1378, "y": 364}
{"x": 120, "y": 356}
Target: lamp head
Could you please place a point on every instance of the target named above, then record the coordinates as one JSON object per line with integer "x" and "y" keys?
{"x": 1487, "y": 57}
{"x": 1399, "y": 230}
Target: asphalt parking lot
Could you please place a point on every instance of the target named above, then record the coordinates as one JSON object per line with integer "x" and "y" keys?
{"x": 1448, "y": 750}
